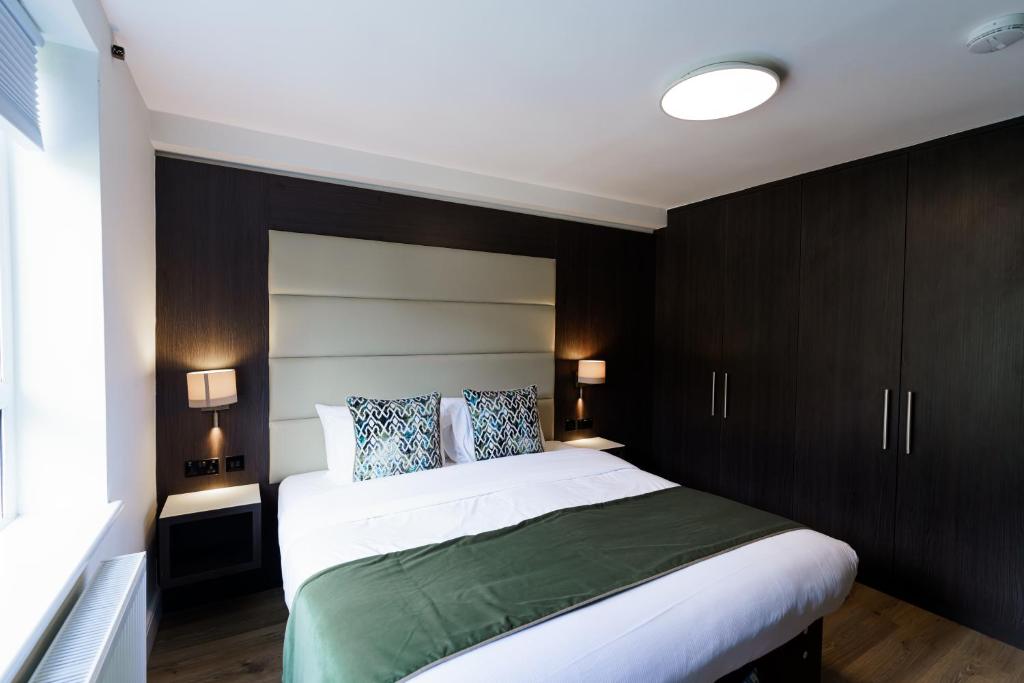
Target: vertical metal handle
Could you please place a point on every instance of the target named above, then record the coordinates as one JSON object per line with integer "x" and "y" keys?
{"x": 713, "y": 393}
{"x": 885, "y": 420}
{"x": 910, "y": 412}
{"x": 725, "y": 396}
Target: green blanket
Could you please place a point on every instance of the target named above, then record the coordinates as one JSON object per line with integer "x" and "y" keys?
{"x": 387, "y": 617}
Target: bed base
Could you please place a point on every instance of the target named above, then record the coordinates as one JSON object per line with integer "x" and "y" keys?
{"x": 796, "y": 661}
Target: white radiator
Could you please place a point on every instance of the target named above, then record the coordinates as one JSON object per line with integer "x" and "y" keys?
{"x": 104, "y": 637}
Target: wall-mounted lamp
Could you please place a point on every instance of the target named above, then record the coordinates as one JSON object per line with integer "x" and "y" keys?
{"x": 211, "y": 390}
{"x": 589, "y": 372}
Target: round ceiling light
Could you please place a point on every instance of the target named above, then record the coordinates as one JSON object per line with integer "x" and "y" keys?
{"x": 719, "y": 90}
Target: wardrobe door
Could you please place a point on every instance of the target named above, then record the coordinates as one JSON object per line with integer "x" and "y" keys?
{"x": 759, "y": 341}
{"x": 851, "y": 299}
{"x": 692, "y": 321}
{"x": 960, "y": 506}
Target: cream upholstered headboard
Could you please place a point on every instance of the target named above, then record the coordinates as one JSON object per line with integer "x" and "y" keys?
{"x": 380, "y": 319}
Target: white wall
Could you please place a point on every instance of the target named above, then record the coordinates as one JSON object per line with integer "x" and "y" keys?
{"x": 129, "y": 300}
{"x": 127, "y": 182}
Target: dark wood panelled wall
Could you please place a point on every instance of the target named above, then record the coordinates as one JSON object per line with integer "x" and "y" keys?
{"x": 847, "y": 348}
{"x": 211, "y": 239}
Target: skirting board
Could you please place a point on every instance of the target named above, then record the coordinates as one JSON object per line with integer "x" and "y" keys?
{"x": 154, "y": 611}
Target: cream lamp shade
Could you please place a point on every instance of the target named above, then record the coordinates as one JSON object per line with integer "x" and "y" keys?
{"x": 590, "y": 372}
{"x": 211, "y": 389}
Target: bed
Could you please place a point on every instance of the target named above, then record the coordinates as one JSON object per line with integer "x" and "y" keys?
{"x": 369, "y": 318}
{"x": 698, "y": 623}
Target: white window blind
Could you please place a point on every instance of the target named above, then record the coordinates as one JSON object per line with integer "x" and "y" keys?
{"x": 19, "y": 39}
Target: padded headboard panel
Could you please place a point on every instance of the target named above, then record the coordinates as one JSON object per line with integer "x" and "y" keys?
{"x": 386, "y": 320}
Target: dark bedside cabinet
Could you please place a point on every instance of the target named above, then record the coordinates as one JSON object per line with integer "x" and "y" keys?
{"x": 206, "y": 534}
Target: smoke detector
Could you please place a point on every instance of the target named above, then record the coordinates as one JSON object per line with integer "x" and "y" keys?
{"x": 997, "y": 34}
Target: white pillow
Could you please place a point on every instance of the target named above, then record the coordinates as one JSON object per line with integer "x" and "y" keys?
{"x": 339, "y": 438}
{"x": 456, "y": 430}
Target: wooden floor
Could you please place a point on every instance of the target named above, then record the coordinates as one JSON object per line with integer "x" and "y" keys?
{"x": 874, "y": 638}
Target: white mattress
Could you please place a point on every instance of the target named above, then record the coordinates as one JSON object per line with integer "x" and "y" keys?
{"x": 695, "y": 624}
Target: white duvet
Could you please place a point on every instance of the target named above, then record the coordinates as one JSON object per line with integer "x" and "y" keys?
{"x": 695, "y": 624}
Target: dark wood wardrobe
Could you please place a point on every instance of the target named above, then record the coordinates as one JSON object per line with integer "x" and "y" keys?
{"x": 733, "y": 276}
{"x": 870, "y": 321}
{"x": 848, "y": 378}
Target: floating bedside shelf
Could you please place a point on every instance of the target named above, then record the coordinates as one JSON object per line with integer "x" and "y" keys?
{"x": 207, "y": 534}
{"x": 596, "y": 443}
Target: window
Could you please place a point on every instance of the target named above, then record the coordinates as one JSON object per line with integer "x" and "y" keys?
{"x": 7, "y": 463}
{"x": 7, "y": 507}
{"x": 20, "y": 40}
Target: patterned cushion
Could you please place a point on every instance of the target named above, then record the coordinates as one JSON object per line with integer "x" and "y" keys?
{"x": 395, "y": 436}
{"x": 504, "y": 422}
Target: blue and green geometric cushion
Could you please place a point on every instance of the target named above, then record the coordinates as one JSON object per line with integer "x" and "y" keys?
{"x": 396, "y": 436}
{"x": 504, "y": 422}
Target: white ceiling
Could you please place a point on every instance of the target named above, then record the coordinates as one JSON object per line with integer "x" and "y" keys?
{"x": 564, "y": 94}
